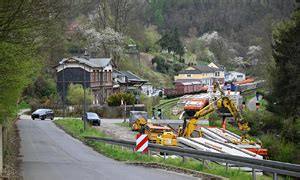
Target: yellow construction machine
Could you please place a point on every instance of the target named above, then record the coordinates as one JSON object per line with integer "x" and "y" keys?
{"x": 139, "y": 123}
{"x": 157, "y": 133}
{"x": 226, "y": 107}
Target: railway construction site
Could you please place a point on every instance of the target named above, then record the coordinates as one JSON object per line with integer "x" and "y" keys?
{"x": 192, "y": 131}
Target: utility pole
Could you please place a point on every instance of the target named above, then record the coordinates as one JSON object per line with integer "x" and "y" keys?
{"x": 84, "y": 99}
{"x": 63, "y": 86}
{"x": 63, "y": 95}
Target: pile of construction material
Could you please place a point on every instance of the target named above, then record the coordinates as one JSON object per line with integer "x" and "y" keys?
{"x": 187, "y": 98}
{"x": 223, "y": 141}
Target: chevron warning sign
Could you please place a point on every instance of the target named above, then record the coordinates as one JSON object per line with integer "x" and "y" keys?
{"x": 141, "y": 143}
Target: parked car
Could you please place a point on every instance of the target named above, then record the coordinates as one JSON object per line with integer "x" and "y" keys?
{"x": 92, "y": 118}
{"x": 43, "y": 114}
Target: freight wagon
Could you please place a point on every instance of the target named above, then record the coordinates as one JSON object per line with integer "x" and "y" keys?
{"x": 184, "y": 88}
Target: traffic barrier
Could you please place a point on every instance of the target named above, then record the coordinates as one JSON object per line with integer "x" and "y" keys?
{"x": 274, "y": 167}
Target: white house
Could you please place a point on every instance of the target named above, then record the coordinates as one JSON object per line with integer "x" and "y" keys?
{"x": 147, "y": 89}
{"x": 234, "y": 76}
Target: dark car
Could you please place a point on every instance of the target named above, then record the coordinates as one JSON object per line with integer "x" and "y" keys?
{"x": 43, "y": 114}
{"x": 92, "y": 118}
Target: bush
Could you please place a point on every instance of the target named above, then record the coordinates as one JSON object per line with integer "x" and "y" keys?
{"x": 149, "y": 102}
{"x": 161, "y": 65}
{"x": 262, "y": 122}
{"x": 278, "y": 149}
{"x": 291, "y": 130}
{"x": 115, "y": 99}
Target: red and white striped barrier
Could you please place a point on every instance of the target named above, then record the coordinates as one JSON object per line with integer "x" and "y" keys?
{"x": 141, "y": 143}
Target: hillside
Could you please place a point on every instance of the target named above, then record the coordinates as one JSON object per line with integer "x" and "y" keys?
{"x": 143, "y": 68}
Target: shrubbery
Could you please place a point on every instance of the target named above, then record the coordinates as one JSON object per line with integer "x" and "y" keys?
{"x": 162, "y": 66}
{"x": 115, "y": 99}
{"x": 279, "y": 149}
{"x": 262, "y": 122}
{"x": 279, "y": 135}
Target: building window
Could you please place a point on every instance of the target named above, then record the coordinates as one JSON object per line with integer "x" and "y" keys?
{"x": 109, "y": 76}
{"x": 239, "y": 76}
{"x": 97, "y": 76}
{"x": 188, "y": 75}
{"x": 217, "y": 73}
{"x": 101, "y": 76}
{"x": 105, "y": 76}
{"x": 94, "y": 76}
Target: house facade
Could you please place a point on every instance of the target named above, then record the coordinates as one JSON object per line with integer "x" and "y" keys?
{"x": 93, "y": 73}
{"x": 204, "y": 74}
{"x": 128, "y": 82}
{"x": 234, "y": 76}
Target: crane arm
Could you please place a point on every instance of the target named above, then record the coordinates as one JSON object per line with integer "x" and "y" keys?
{"x": 222, "y": 102}
{"x": 190, "y": 126}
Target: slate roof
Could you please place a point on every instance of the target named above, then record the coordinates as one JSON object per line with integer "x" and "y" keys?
{"x": 132, "y": 77}
{"x": 92, "y": 62}
{"x": 200, "y": 69}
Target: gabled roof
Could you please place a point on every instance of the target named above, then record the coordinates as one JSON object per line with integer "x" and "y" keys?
{"x": 92, "y": 62}
{"x": 132, "y": 77}
{"x": 200, "y": 69}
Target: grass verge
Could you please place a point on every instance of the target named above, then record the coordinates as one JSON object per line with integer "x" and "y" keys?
{"x": 123, "y": 124}
{"x": 75, "y": 128}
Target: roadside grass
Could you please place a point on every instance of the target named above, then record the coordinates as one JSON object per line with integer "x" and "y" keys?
{"x": 75, "y": 128}
{"x": 123, "y": 124}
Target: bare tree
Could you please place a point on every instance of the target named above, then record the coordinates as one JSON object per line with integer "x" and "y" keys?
{"x": 115, "y": 14}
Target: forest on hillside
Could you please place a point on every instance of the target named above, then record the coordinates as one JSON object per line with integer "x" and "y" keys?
{"x": 234, "y": 33}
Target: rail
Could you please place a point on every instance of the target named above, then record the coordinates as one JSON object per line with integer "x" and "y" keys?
{"x": 274, "y": 167}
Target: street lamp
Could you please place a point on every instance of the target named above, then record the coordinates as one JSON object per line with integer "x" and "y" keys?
{"x": 63, "y": 92}
{"x": 84, "y": 97}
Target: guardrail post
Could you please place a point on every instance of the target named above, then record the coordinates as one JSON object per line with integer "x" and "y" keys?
{"x": 203, "y": 163}
{"x": 226, "y": 167}
{"x": 274, "y": 176}
{"x": 253, "y": 174}
{"x": 149, "y": 154}
{"x": 164, "y": 156}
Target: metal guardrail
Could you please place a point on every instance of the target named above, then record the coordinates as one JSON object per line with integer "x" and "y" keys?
{"x": 274, "y": 167}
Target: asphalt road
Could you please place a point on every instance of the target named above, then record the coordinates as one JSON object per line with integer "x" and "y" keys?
{"x": 252, "y": 103}
{"x": 50, "y": 154}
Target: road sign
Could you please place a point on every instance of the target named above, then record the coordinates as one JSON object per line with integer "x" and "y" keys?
{"x": 141, "y": 143}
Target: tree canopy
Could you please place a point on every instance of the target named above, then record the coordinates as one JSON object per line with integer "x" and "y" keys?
{"x": 75, "y": 95}
{"x": 285, "y": 92}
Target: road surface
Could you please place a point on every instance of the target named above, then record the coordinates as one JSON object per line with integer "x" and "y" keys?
{"x": 50, "y": 154}
{"x": 251, "y": 105}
